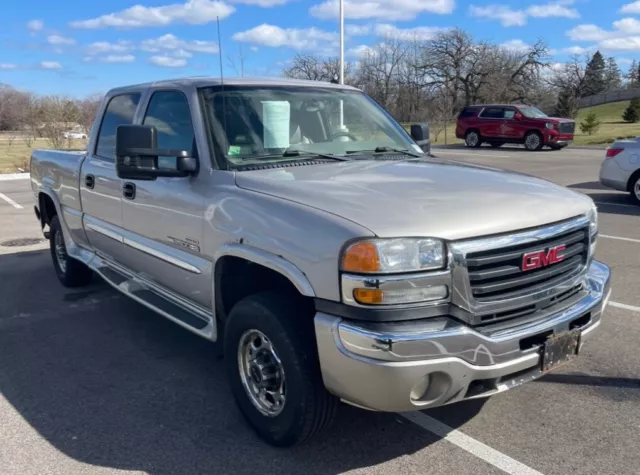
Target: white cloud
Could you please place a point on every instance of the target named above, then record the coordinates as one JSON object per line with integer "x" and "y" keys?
{"x": 357, "y": 30}
{"x": 632, "y": 8}
{"x": 553, "y": 9}
{"x": 505, "y": 14}
{"x": 106, "y": 47}
{"x": 50, "y": 65}
{"x": 35, "y": 25}
{"x": 516, "y": 45}
{"x": 171, "y": 42}
{"x": 418, "y": 32}
{"x": 60, "y": 40}
{"x": 253, "y": 48}
{"x": 181, "y": 53}
{"x": 382, "y": 9}
{"x": 118, "y": 58}
{"x": 262, "y": 3}
{"x": 8, "y": 66}
{"x": 625, "y": 35}
{"x": 192, "y": 12}
{"x": 167, "y": 62}
{"x": 576, "y": 50}
{"x": 360, "y": 51}
{"x": 300, "y": 39}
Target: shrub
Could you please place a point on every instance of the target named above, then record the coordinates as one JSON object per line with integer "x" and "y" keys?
{"x": 590, "y": 124}
{"x": 632, "y": 113}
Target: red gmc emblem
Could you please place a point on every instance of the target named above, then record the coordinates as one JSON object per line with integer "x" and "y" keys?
{"x": 538, "y": 259}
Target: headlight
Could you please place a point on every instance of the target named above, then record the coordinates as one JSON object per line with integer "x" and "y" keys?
{"x": 549, "y": 125}
{"x": 386, "y": 256}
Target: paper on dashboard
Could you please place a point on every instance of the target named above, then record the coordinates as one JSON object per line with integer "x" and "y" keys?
{"x": 276, "y": 116}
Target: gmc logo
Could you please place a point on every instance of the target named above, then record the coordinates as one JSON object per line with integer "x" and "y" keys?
{"x": 538, "y": 259}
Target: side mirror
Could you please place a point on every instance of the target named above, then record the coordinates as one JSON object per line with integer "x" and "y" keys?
{"x": 137, "y": 155}
{"x": 420, "y": 134}
{"x": 518, "y": 116}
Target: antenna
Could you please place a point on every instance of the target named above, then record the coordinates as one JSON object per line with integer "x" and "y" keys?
{"x": 220, "y": 53}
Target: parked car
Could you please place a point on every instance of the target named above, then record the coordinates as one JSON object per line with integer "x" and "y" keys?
{"x": 332, "y": 259}
{"x": 518, "y": 124}
{"x": 620, "y": 169}
{"x": 75, "y": 135}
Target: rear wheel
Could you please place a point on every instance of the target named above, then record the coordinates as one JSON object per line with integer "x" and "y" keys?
{"x": 70, "y": 272}
{"x": 272, "y": 364}
{"x": 533, "y": 141}
{"x": 472, "y": 139}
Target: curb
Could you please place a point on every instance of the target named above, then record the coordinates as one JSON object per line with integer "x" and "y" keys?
{"x": 14, "y": 176}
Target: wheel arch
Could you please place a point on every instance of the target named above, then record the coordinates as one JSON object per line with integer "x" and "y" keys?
{"x": 632, "y": 179}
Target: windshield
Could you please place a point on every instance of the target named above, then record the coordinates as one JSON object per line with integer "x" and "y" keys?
{"x": 267, "y": 123}
{"x": 532, "y": 112}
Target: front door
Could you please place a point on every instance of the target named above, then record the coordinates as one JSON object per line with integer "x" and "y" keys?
{"x": 100, "y": 187}
{"x": 511, "y": 127}
{"x": 164, "y": 217}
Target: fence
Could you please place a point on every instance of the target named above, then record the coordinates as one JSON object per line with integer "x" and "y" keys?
{"x": 613, "y": 96}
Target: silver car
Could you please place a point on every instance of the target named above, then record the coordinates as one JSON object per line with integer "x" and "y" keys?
{"x": 620, "y": 169}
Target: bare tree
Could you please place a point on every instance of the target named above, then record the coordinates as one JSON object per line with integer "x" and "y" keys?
{"x": 569, "y": 81}
{"x": 87, "y": 111}
{"x": 59, "y": 114}
{"x": 241, "y": 58}
{"x": 314, "y": 68}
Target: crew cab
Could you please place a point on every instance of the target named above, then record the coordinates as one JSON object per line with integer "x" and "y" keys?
{"x": 498, "y": 124}
{"x": 297, "y": 224}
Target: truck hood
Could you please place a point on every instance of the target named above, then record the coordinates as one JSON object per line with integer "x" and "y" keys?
{"x": 434, "y": 198}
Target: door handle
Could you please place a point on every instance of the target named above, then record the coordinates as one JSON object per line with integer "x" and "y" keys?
{"x": 90, "y": 181}
{"x": 129, "y": 190}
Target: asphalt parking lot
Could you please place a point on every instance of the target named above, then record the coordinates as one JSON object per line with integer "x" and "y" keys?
{"x": 92, "y": 383}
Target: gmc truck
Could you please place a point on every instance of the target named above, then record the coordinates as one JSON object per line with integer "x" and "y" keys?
{"x": 330, "y": 254}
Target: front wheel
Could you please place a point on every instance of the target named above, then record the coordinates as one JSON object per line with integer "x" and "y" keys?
{"x": 635, "y": 189}
{"x": 273, "y": 369}
{"x": 533, "y": 141}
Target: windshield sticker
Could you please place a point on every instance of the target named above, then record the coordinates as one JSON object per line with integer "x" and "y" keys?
{"x": 276, "y": 116}
{"x": 234, "y": 150}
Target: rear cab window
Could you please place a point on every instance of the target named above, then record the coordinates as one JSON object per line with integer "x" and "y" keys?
{"x": 468, "y": 112}
{"x": 120, "y": 111}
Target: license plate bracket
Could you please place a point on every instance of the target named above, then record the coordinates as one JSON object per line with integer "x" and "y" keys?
{"x": 560, "y": 348}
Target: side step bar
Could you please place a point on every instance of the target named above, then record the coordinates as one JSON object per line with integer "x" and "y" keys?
{"x": 195, "y": 319}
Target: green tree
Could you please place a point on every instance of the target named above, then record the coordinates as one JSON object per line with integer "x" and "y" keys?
{"x": 594, "y": 75}
{"x": 612, "y": 75}
{"x": 566, "y": 106}
{"x": 590, "y": 124}
{"x": 632, "y": 113}
{"x": 633, "y": 76}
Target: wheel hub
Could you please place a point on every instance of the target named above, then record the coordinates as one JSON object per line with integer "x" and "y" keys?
{"x": 261, "y": 373}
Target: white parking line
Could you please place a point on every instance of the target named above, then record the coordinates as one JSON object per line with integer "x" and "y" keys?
{"x": 618, "y": 238}
{"x": 624, "y": 306}
{"x": 480, "y": 450}
{"x": 10, "y": 201}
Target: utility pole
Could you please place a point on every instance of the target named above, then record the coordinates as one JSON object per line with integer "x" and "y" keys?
{"x": 342, "y": 127}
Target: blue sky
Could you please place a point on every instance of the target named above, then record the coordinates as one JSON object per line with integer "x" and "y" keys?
{"x": 78, "y": 47}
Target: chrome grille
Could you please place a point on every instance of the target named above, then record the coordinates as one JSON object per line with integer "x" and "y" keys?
{"x": 497, "y": 274}
{"x": 487, "y": 272}
{"x": 567, "y": 127}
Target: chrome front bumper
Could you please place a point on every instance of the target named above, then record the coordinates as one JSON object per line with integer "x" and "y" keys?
{"x": 400, "y": 367}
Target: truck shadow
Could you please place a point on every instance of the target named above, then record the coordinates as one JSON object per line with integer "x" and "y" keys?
{"x": 108, "y": 383}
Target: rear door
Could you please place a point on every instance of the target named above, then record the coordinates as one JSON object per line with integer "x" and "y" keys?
{"x": 490, "y": 122}
{"x": 164, "y": 218}
{"x": 100, "y": 187}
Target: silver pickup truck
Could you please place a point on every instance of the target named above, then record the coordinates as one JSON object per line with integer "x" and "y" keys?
{"x": 327, "y": 250}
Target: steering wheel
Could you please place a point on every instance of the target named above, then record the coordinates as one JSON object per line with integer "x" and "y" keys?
{"x": 343, "y": 134}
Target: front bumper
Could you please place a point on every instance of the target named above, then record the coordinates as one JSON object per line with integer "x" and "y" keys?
{"x": 399, "y": 367}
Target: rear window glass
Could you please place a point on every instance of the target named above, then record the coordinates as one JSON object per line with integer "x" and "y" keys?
{"x": 468, "y": 112}
{"x": 493, "y": 113}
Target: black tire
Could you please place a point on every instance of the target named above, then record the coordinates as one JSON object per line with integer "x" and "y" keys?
{"x": 496, "y": 144}
{"x": 308, "y": 407}
{"x": 472, "y": 139}
{"x": 530, "y": 142}
{"x": 72, "y": 273}
{"x": 634, "y": 187}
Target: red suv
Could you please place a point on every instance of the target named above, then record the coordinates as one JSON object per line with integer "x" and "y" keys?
{"x": 499, "y": 124}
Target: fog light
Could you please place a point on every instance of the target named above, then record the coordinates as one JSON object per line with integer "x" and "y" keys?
{"x": 398, "y": 296}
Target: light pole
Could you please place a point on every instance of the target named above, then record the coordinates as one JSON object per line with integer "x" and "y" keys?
{"x": 341, "y": 15}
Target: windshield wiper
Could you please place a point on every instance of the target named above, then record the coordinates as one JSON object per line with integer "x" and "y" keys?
{"x": 309, "y": 154}
{"x": 385, "y": 149}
